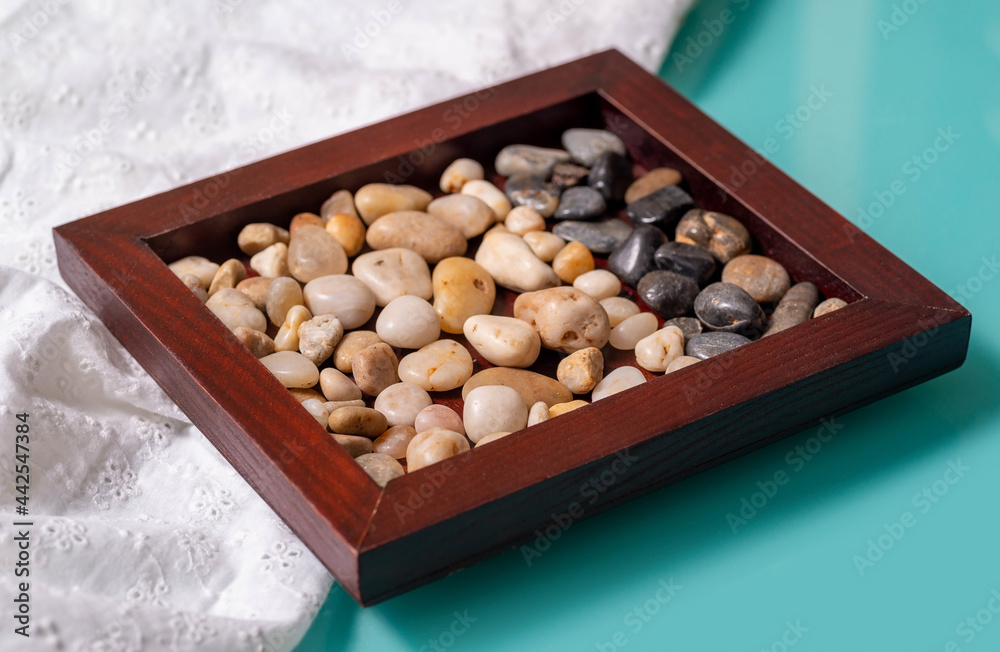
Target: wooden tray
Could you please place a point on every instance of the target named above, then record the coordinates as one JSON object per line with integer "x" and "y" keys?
{"x": 899, "y": 330}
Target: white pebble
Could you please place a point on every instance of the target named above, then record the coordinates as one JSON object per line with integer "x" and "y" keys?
{"x": 627, "y": 334}
{"x": 493, "y": 408}
{"x": 656, "y": 352}
{"x": 503, "y": 341}
{"x": 408, "y": 322}
{"x": 619, "y": 309}
{"x": 618, "y": 380}
{"x": 400, "y": 403}
{"x": 598, "y": 283}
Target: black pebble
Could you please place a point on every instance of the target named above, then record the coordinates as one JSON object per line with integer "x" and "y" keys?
{"x": 580, "y": 203}
{"x": 727, "y": 307}
{"x": 633, "y": 259}
{"x": 601, "y": 237}
{"x": 668, "y": 294}
{"x": 533, "y": 191}
{"x": 707, "y": 345}
{"x": 688, "y": 325}
{"x": 611, "y": 176}
{"x": 567, "y": 175}
{"x": 663, "y": 208}
{"x": 686, "y": 259}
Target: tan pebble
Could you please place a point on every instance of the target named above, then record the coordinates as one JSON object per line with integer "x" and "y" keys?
{"x": 627, "y": 334}
{"x": 828, "y": 306}
{"x": 380, "y": 468}
{"x": 234, "y": 309}
{"x": 524, "y": 219}
{"x": 581, "y": 371}
{"x": 230, "y": 273}
{"x": 258, "y": 343}
{"x": 796, "y": 307}
{"x": 393, "y": 273}
{"x": 393, "y": 442}
{"x": 490, "y": 195}
{"x": 572, "y": 260}
{"x": 467, "y": 213}
{"x": 459, "y": 172}
{"x": 681, "y": 362}
{"x": 346, "y": 297}
{"x": 257, "y": 237}
{"x": 338, "y": 387}
{"x": 256, "y": 288}
{"x": 377, "y": 199}
{"x": 318, "y": 410}
{"x": 348, "y": 230}
{"x": 538, "y": 413}
{"x": 493, "y": 408}
{"x": 355, "y": 446}
{"x": 287, "y": 338}
{"x": 198, "y": 266}
{"x": 333, "y": 406}
{"x": 652, "y": 181}
{"x": 566, "y": 319}
{"x": 725, "y": 237}
{"x": 619, "y": 309}
{"x": 361, "y": 421}
{"x": 319, "y": 336}
{"x": 461, "y": 288}
{"x": 513, "y": 265}
{"x": 431, "y": 237}
{"x": 437, "y": 367}
{"x": 401, "y": 402}
{"x": 313, "y": 253}
{"x": 764, "y": 279}
{"x": 497, "y": 228}
{"x": 408, "y": 322}
{"x": 282, "y": 295}
{"x": 271, "y": 262}
{"x": 340, "y": 202}
{"x": 303, "y": 219}
{"x": 491, "y": 438}
{"x": 433, "y": 446}
{"x": 350, "y": 344}
{"x": 503, "y": 341}
{"x": 656, "y": 352}
{"x": 292, "y": 369}
{"x": 563, "y": 408}
{"x": 599, "y": 283}
{"x": 375, "y": 368}
{"x": 300, "y": 394}
{"x": 533, "y": 387}
{"x": 439, "y": 416}
{"x": 193, "y": 283}
{"x": 544, "y": 244}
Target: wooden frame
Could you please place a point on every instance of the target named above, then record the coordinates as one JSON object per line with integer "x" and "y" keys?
{"x": 898, "y": 330}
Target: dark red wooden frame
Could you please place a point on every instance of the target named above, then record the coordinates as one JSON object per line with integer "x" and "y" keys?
{"x": 898, "y": 330}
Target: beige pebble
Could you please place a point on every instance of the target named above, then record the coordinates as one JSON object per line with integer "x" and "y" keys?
{"x": 291, "y": 368}
{"x": 619, "y": 309}
{"x": 544, "y": 244}
{"x": 258, "y": 343}
{"x": 572, "y": 260}
{"x": 333, "y": 406}
{"x": 377, "y": 199}
{"x": 304, "y": 394}
{"x": 350, "y": 344}
{"x": 408, "y": 322}
{"x": 318, "y": 410}
{"x": 655, "y": 352}
{"x": 431, "y": 237}
{"x": 393, "y": 442}
{"x": 360, "y": 421}
{"x": 193, "y": 283}
{"x": 493, "y": 408}
{"x": 255, "y": 238}
{"x": 513, "y": 265}
{"x": 313, "y": 253}
{"x": 538, "y": 413}
{"x": 340, "y": 202}
{"x": 303, "y": 219}
{"x": 337, "y": 386}
{"x": 491, "y": 438}
{"x": 401, "y": 403}
{"x": 599, "y": 284}
{"x": 627, "y": 334}
{"x": 765, "y": 279}
{"x": 681, "y": 362}
{"x": 355, "y": 446}
{"x": 437, "y": 367}
{"x": 380, "y": 468}
{"x": 235, "y": 310}
{"x": 503, "y": 341}
{"x": 618, "y": 380}
{"x": 796, "y": 307}
{"x": 563, "y": 408}
{"x": 287, "y": 338}
{"x": 828, "y": 306}
{"x": 459, "y": 172}
{"x": 566, "y": 319}
{"x": 467, "y": 213}
{"x": 497, "y": 228}
{"x": 393, "y": 273}
{"x": 256, "y": 288}
{"x": 490, "y": 195}
{"x": 433, "y": 446}
{"x": 524, "y": 219}
{"x": 725, "y": 237}
{"x": 319, "y": 336}
{"x": 230, "y": 273}
{"x": 533, "y": 387}
{"x": 283, "y": 294}
{"x": 348, "y": 230}
{"x": 581, "y": 371}
{"x": 462, "y": 288}
{"x": 651, "y": 182}
{"x": 375, "y": 368}
{"x": 271, "y": 262}
{"x": 345, "y": 297}
{"x": 439, "y": 416}
{"x": 198, "y": 266}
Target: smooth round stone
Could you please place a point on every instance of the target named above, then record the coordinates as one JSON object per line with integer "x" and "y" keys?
{"x": 725, "y": 237}
{"x": 230, "y": 273}
{"x": 333, "y": 406}
{"x": 304, "y": 219}
{"x": 611, "y": 176}
{"x": 492, "y": 437}
{"x": 467, "y": 213}
{"x": 598, "y": 283}
{"x": 563, "y": 408}
{"x": 601, "y": 237}
{"x": 431, "y": 237}
{"x": 533, "y": 387}
{"x": 580, "y": 203}
{"x": 568, "y": 175}
{"x": 513, "y": 265}
{"x": 524, "y": 219}
{"x": 283, "y": 294}
{"x": 408, "y": 323}
{"x": 462, "y": 288}
{"x": 380, "y": 468}
{"x": 301, "y": 395}
{"x": 287, "y": 338}
{"x": 708, "y": 345}
{"x": 340, "y": 202}
{"x": 458, "y": 173}
{"x": 685, "y": 259}
{"x": 193, "y": 283}
{"x": 257, "y": 237}
{"x": 350, "y": 344}
{"x": 651, "y": 182}
{"x": 633, "y": 259}
{"x": 201, "y": 268}
{"x": 618, "y": 380}
{"x": 627, "y": 334}
{"x": 317, "y": 409}
{"x": 271, "y": 262}
{"x": 401, "y": 403}
{"x": 345, "y": 297}
{"x": 681, "y": 362}
{"x": 828, "y": 306}
{"x": 795, "y": 308}
{"x": 255, "y": 288}
{"x": 377, "y": 199}
{"x": 619, "y": 309}
{"x": 668, "y": 294}
{"x": 319, "y": 336}
{"x": 439, "y": 416}
{"x": 437, "y": 367}
{"x": 587, "y": 145}
{"x": 572, "y": 261}
{"x": 688, "y": 325}
{"x": 533, "y": 192}
{"x": 528, "y": 159}
{"x": 763, "y": 278}
{"x": 433, "y": 446}
{"x": 538, "y": 413}
{"x": 489, "y": 195}
{"x": 493, "y": 408}
{"x": 348, "y": 230}
{"x": 234, "y": 309}
{"x": 355, "y": 446}
{"x": 393, "y": 442}
{"x": 655, "y": 352}
{"x": 338, "y": 387}
{"x": 581, "y": 371}
{"x": 257, "y": 342}
{"x": 544, "y": 244}
{"x": 661, "y": 208}
{"x": 503, "y": 341}
{"x": 727, "y": 307}
{"x": 292, "y": 369}
{"x": 375, "y": 368}
{"x": 566, "y": 319}
{"x": 393, "y": 273}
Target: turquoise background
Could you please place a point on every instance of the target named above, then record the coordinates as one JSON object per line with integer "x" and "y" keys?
{"x": 793, "y": 562}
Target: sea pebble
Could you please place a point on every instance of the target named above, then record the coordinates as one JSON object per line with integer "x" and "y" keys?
{"x": 708, "y": 345}
{"x": 467, "y": 213}
{"x": 538, "y": 413}
{"x": 380, "y": 468}
{"x": 257, "y": 342}
{"x": 287, "y": 338}
{"x": 586, "y": 145}
{"x": 581, "y": 371}
{"x": 633, "y": 258}
{"x": 618, "y": 380}
{"x": 338, "y": 387}
{"x": 662, "y": 208}
{"x": 572, "y": 260}
{"x": 345, "y": 297}
{"x": 358, "y": 421}
{"x": 230, "y": 273}
{"x": 437, "y": 367}
{"x": 393, "y": 273}
{"x": 681, "y": 362}
{"x": 433, "y": 446}
{"x": 355, "y": 446}
{"x": 627, "y": 334}
{"x": 318, "y": 410}
{"x": 828, "y": 306}
{"x": 340, "y": 202}
{"x": 691, "y": 261}
{"x": 563, "y": 408}
{"x": 601, "y": 237}
{"x": 283, "y": 294}
{"x": 304, "y": 219}
{"x": 513, "y": 265}
{"x": 489, "y": 195}
{"x": 580, "y": 203}
{"x": 377, "y": 199}
{"x": 619, "y": 309}
{"x": 727, "y": 307}
{"x": 271, "y": 262}
{"x": 524, "y": 219}
{"x": 652, "y": 181}
{"x": 688, "y": 325}
{"x": 193, "y": 283}
{"x": 401, "y": 403}
{"x": 458, "y": 173}
{"x": 566, "y": 319}
{"x": 374, "y": 368}
{"x": 655, "y": 352}
{"x": 292, "y": 369}
{"x": 255, "y": 288}
{"x": 544, "y": 244}
{"x": 431, "y": 237}
{"x": 598, "y": 283}
{"x": 532, "y": 191}
{"x": 723, "y": 236}
{"x": 568, "y": 175}
{"x": 493, "y": 408}
{"x": 668, "y": 294}
{"x": 257, "y": 237}
{"x": 532, "y": 386}
{"x": 235, "y": 310}
{"x": 461, "y": 288}
{"x": 393, "y": 442}
{"x": 349, "y": 232}
{"x": 795, "y": 308}
{"x": 201, "y": 268}
{"x": 765, "y": 279}
{"x": 408, "y": 322}
{"x": 528, "y": 159}
{"x": 611, "y": 176}
{"x": 492, "y": 437}
{"x": 319, "y": 336}
{"x": 503, "y": 341}
{"x": 439, "y": 416}
{"x": 350, "y": 344}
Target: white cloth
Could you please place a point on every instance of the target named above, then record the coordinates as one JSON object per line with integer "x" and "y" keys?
{"x": 144, "y": 537}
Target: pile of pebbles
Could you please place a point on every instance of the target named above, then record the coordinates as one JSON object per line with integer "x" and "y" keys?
{"x": 585, "y": 245}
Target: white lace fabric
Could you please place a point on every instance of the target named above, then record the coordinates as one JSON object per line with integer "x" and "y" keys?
{"x": 143, "y": 536}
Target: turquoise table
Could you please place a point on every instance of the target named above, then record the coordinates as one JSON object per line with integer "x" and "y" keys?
{"x": 886, "y": 535}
